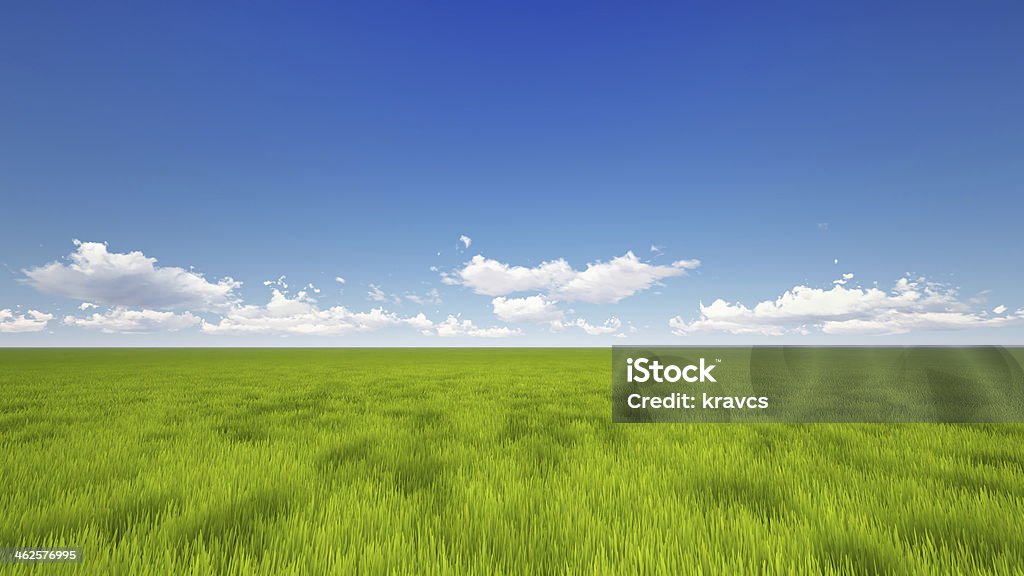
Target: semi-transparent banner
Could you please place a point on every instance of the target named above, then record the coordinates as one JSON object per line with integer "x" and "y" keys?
{"x": 817, "y": 384}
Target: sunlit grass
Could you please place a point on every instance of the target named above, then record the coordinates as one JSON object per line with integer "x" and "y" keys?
{"x": 486, "y": 461}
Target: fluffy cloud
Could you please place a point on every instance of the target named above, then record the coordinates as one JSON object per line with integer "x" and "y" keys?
{"x": 123, "y": 320}
{"x": 493, "y": 278}
{"x": 302, "y": 315}
{"x": 600, "y": 283}
{"x": 130, "y": 280}
{"x": 31, "y": 321}
{"x": 609, "y": 282}
{"x": 466, "y": 240}
{"x": 910, "y": 305}
{"x": 533, "y": 309}
{"x": 455, "y": 327}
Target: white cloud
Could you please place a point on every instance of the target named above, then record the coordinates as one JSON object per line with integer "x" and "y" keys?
{"x": 910, "y": 305}
{"x": 466, "y": 240}
{"x": 601, "y": 282}
{"x": 86, "y": 305}
{"x": 609, "y": 282}
{"x": 611, "y": 325}
{"x": 129, "y": 280}
{"x": 123, "y": 320}
{"x": 339, "y": 279}
{"x": 455, "y": 327}
{"x": 533, "y": 309}
{"x": 842, "y": 281}
{"x": 302, "y": 315}
{"x": 31, "y": 321}
{"x": 999, "y": 309}
{"x": 494, "y": 278}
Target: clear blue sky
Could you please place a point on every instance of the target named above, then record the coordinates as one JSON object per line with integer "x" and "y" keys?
{"x": 255, "y": 140}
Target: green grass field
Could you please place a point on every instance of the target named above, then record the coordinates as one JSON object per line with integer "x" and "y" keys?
{"x": 278, "y": 461}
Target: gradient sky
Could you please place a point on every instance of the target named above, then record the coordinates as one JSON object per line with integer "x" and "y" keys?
{"x": 780, "y": 145}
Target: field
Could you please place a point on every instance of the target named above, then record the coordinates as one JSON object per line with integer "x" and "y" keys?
{"x": 278, "y": 461}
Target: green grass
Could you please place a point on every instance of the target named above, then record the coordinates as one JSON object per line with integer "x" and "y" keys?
{"x": 454, "y": 461}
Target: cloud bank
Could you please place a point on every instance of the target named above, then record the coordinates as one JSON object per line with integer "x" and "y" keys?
{"x": 301, "y": 315}
{"x": 130, "y": 293}
{"x": 910, "y": 305}
{"x": 125, "y": 321}
{"x": 455, "y": 327}
{"x": 31, "y": 321}
{"x": 600, "y": 283}
{"x": 532, "y": 309}
{"x": 132, "y": 280}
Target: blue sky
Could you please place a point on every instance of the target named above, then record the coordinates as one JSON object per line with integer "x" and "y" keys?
{"x": 782, "y": 146}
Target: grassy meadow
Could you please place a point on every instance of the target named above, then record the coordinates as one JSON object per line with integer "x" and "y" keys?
{"x": 285, "y": 461}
